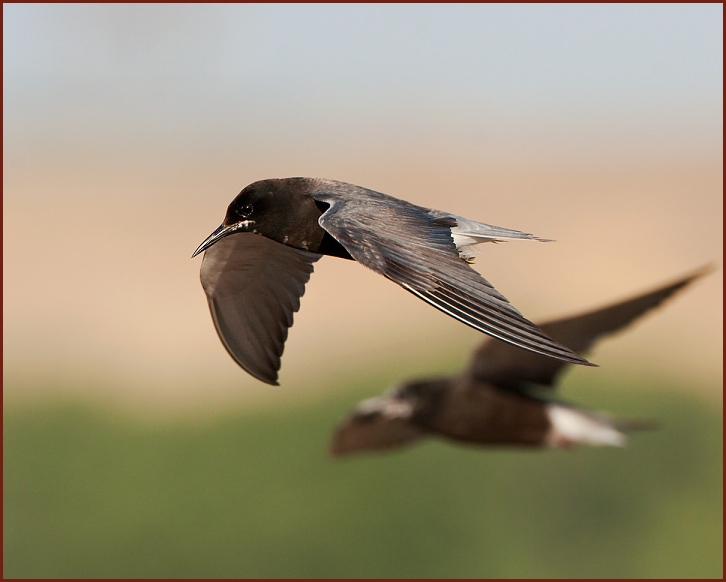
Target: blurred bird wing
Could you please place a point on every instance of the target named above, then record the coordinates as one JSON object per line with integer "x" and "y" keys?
{"x": 415, "y": 249}
{"x": 376, "y": 424}
{"x": 500, "y": 364}
{"x": 253, "y": 286}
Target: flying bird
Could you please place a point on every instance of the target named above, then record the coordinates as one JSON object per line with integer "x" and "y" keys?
{"x": 256, "y": 264}
{"x": 499, "y": 399}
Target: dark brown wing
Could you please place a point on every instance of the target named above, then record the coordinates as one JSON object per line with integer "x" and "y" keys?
{"x": 500, "y": 364}
{"x": 253, "y": 285}
{"x": 415, "y": 249}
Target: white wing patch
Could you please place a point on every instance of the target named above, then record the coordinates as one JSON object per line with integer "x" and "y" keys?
{"x": 571, "y": 426}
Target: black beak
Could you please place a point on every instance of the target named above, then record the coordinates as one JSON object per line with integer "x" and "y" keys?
{"x": 216, "y": 236}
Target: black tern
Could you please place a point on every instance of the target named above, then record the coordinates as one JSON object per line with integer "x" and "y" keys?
{"x": 496, "y": 400}
{"x": 258, "y": 261}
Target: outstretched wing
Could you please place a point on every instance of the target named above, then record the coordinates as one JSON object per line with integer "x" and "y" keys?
{"x": 253, "y": 286}
{"x": 415, "y": 249}
{"x": 498, "y": 363}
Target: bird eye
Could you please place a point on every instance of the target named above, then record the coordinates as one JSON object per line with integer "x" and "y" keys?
{"x": 245, "y": 211}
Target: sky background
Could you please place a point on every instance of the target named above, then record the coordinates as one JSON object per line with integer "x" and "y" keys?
{"x": 129, "y": 128}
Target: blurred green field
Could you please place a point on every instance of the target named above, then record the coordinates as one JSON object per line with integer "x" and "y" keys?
{"x": 92, "y": 492}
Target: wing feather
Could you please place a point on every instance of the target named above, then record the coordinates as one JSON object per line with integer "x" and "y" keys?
{"x": 253, "y": 286}
{"x": 500, "y": 364}
{"x": 414, "y": 248}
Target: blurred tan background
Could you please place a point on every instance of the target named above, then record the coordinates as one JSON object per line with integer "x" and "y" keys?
{"x": 128, "y": 129}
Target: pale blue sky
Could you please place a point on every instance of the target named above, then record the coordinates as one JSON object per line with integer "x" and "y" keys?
{"x": 273, "y": 72}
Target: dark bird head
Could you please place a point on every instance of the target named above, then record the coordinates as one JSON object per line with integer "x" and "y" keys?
{"x": 399, "y": 417}
{"x": 279, "y": 209}
{"x": 423, "y": 395}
